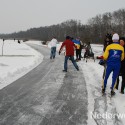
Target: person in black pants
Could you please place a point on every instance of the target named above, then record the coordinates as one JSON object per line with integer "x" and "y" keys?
{"x": 123, "y": 77}
{"x": 78, "y": 51}
{"x": 122, "y": 70}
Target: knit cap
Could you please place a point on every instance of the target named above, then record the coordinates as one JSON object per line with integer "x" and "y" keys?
{"x": 115, "y": 37}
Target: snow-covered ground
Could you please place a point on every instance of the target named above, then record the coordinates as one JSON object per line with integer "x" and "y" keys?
{"x": 17, "y": 60}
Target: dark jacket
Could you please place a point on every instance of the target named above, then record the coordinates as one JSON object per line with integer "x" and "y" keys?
{"x": 106, "y": 43}
{"x": 122, "y": 70}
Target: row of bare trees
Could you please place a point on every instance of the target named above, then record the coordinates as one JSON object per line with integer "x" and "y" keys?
{"x": 107, "y": 23}
{"x": 94, "y": 31}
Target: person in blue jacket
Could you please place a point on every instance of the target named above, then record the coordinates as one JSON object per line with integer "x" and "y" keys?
{"x": 113, "y": 55}
{"x": 78, "y": 50}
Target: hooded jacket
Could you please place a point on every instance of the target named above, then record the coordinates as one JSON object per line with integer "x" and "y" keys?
{"x": 53, "y": 42}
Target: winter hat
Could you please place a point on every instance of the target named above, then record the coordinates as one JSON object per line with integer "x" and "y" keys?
{"x": 115, "y": 37}
{"x": 68, "y": 37}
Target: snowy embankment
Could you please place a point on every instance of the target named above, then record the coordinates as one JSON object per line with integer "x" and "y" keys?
{"x": 17, "y": 60}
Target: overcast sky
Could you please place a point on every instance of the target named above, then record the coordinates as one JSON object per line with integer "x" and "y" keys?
{"x": 17, "y": 15}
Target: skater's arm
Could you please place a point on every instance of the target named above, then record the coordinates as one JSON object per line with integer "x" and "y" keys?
{"x": 106, "y": 53}
{"x": 63, "y": 44}
{"x": 75, "y": 46}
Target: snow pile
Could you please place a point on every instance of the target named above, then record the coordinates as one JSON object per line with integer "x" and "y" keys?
{"x": 17, "y": 60}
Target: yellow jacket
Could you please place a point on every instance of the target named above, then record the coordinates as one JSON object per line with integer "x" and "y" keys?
{"x": 114, "y": 53}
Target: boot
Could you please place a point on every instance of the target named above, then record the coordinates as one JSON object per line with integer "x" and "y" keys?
{"x": 122, "y": 92}
{"x": 103, "y": 90}
{"x": 64, "y": 70}
{"x": 112, "y": 93}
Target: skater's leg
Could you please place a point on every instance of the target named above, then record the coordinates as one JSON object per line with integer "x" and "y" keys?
{"x": 51, "y": 54}
{"x": 74, "y": 62}
{"x": 54, "y": 52}
{"x": 115, "y": 75}
{"x": 117, "y": 83}
{"x": 65, "y": 62}
{"x": 77, "y": 54}
{"x": 108, "y": 71}
{"x": 123, "y": 83}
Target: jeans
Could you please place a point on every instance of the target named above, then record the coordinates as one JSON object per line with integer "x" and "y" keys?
{"x": 53, "y": 52}
{"x": 73, "y": 61}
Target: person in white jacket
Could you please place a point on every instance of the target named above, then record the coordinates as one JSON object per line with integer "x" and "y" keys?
{"x": 53, "y": 43}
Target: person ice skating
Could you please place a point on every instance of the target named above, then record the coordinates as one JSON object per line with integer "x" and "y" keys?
{"x": 53, "y": 43}
{"x": 113, "y": 55}
{"x": 78, "y": 50}
{"x": 81, "y": 47}
{"x": 122, "y": 69}
{"x": 88, "y": 49}
{"x": 19, "y": 41}
{"x": 69, "y": 46}
{"x": 107, "y": 41}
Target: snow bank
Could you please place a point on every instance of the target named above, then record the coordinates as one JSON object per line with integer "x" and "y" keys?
{"x": 17, "y": 60}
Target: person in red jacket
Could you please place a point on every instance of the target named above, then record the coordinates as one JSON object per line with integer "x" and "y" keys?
{"x": 69, "y": 46}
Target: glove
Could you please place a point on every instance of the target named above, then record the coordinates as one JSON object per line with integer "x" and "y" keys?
{"x": 99, "y": 57}
{"x": 59, "y": 52}
{"x": 102, "y": 62}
